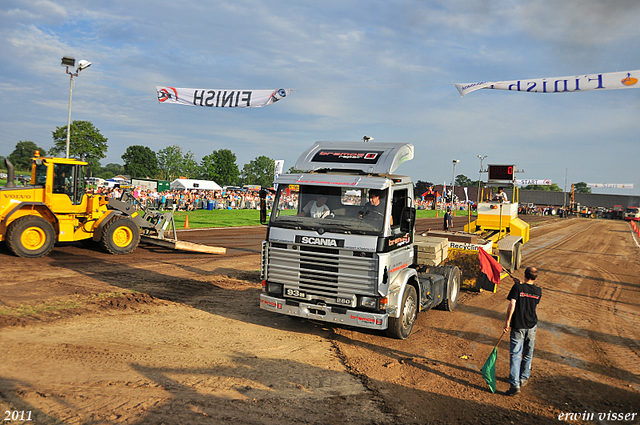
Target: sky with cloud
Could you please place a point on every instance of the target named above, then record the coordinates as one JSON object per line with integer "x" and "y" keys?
{"x": 379, "y": 68}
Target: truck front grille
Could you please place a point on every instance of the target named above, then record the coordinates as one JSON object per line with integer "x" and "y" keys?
{"x": 321, "y": 271}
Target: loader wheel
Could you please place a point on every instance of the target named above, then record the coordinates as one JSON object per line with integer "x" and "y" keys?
{"x": 120, "y": 236}
{"x": 453, "y": 288}
{"x": 30, "y": 237}
{"x": 402, "y": 326}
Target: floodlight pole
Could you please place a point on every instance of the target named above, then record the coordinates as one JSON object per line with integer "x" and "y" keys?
{"x": 70, "y": 96}
{"x": 67, "y": 62}
{"x": 481, "y": 158}
{"x": 453, "y": 183}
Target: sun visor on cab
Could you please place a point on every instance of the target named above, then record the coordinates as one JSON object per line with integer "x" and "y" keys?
{"x": 368, "y": 158}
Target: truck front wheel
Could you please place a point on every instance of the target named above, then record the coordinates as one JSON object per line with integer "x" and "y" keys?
{"x": 120, "y": 235}
{"x": 402, "y": 326}
{"x": 30, "y": 237}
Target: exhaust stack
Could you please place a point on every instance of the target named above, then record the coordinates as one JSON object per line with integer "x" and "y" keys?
{"x": 10, "y": 174}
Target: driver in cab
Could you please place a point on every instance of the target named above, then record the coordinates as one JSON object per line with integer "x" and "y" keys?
{"x": 316, "y": 209}
{"x": 374, "y": 208}
{"x": 500, "y": 196}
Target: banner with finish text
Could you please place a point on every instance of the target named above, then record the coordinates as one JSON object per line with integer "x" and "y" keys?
{"x": 587, "y": 82}
{"x": 221, "y": 98}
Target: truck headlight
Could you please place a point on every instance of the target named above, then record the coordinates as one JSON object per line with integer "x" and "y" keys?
{"x": 274, "y": 288}
{"x": 369, "y": 302}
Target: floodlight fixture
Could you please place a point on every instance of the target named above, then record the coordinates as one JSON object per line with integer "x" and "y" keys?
{"x": 83, "y": 65}
{"x": 68, "y": 61}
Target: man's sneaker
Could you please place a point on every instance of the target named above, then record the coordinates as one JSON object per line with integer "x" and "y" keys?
{"x": 523, "y": 382}
{"x": 512, "y": 391}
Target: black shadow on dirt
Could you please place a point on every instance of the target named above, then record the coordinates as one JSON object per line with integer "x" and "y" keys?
{"x": 566, "y": 360}
{"x": 192, "y": 406}
{"x": 11, "y": 392}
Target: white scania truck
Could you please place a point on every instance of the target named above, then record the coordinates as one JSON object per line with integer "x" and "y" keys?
{"x": 340, "y": 242}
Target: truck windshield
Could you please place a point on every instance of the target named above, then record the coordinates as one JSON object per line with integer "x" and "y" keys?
{"x": 347, "y": 210}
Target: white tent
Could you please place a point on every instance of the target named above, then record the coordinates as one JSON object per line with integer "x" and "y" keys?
{"x": 182, "y": 184}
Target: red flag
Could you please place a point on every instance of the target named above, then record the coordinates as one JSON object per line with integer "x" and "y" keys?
{"x": 490, "y": 268}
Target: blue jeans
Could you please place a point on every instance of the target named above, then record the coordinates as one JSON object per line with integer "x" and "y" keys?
{"x": 521, "y": 351}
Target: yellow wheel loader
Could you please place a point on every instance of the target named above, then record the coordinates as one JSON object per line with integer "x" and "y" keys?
{"x": 55, "y": 207}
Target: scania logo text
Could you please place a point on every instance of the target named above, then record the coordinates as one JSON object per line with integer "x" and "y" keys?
{"x": 318, "y": 241}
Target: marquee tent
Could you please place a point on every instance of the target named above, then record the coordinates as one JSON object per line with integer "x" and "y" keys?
{"x": 181, "y": 184}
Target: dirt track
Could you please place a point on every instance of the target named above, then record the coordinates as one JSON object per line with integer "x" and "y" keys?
{"x": 167, "y": 337}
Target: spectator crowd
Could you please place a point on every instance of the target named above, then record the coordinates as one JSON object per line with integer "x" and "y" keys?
{"x": 190, "y": 199}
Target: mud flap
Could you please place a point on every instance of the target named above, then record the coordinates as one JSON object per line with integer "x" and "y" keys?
{"x": 509, "y": 249}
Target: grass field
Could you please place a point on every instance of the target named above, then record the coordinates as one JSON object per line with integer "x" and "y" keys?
{"x": 236, "y": 218}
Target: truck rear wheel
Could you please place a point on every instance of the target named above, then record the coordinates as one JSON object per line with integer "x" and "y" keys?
{"x": 30, "y": 237}
{"x": 452, "y": 274}
{"x": 402, "y": 326}
{"x": 120, "y": 235}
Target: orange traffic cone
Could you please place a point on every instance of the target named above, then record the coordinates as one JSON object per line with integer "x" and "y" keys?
{"x": 186, "y": 222}
{"x": 436, "y": 213}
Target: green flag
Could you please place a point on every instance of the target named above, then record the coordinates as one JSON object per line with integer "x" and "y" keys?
{"x": 489, "y": 369}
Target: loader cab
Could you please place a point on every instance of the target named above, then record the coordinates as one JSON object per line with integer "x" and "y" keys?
{"x": 63, "y": 180}
{"x": 69, "y": 179}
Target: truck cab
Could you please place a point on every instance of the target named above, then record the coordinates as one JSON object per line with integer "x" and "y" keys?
{"x": 632, "y": 214}
{"x": 339, "y": 245}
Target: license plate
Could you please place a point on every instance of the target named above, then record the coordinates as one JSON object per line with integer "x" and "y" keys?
{"x": 344, "y": 301}
{"x": 295, "y": 293}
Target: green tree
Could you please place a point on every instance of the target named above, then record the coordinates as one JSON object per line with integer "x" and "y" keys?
{"x": 221, "y": 167}
{"x": 189, "y": 166}
{"x": 140, "y": 161}
{"x": 259, "y": 172}
{"x": 22, "y": 154}
{"x": 86, "y": 143}
{"x": 550, "y": 188}
{"x": 464, "y": 181}
{"x": 109, "y": 171}
{"x": 581, "y": 187}
{"x": 169, "y": 162}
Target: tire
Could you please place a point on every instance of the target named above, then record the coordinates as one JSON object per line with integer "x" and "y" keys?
{"x": 401, "y": 327}
{"x": 120, "y": 236}
{"x": 31, "y": 237}
{"x": 518, "y": 255}
{"x": 452, "y": 290}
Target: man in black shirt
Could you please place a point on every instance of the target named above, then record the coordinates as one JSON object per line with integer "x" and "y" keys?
{"x": 448, "y": 220}
{"x": 523, "y": 322}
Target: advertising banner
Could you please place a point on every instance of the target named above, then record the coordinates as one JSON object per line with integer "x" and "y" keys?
{"x": 610, "y": 185}
{"x": 607, "y": 81}
{"x": 220, "y": 98}
{"x": 533, "y": 182}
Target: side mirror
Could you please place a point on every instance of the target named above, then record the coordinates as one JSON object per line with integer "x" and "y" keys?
{"x": 408, "y": 219}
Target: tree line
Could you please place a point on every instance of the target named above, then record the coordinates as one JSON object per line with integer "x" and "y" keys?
{"x": 464, "y": 181}
{"x": 88, "y": 144}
